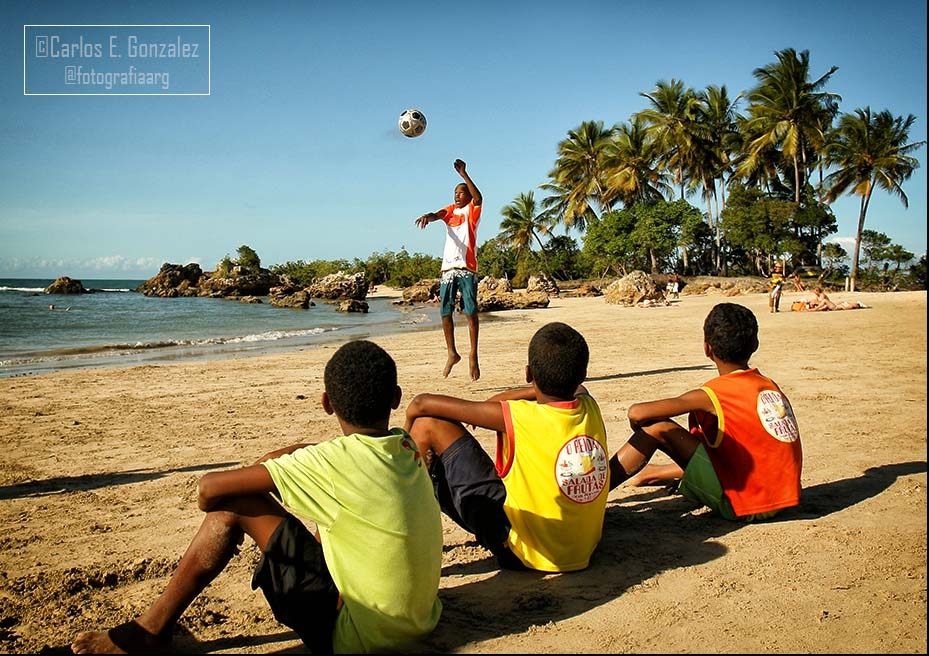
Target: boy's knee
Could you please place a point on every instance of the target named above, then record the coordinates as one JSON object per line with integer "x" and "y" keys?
{"x": 664, "y": 431}
{"x": 434, "y": 431}
{"x": 435, "y": 434}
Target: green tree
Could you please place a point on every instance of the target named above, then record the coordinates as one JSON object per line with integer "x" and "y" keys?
{"x": 248, "y": 259}
{"x": 657, "y": 230}
{"x": 224, "y": 268}
{"x": 918, "y": 272}
{"x": 868, "y": 151}
{"x": 609, "y": 244}
{"x": 759, "y": 225}
{"x": 564, "y": 258}
{"x": 496, "y": 258}
{"x": 875, "y": 247}
{"x": 834, "y": 257}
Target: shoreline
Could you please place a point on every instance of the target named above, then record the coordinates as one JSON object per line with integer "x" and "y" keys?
{"x": 99, "y": 471}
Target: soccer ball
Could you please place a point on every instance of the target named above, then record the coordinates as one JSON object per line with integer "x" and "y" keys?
{"x": 412, "y": 123}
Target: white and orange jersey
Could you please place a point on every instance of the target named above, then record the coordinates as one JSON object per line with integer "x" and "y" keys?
{"x": 461, "y": 237}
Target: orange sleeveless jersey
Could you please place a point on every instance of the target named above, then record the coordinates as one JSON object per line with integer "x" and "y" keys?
{"x": 753, "y": 442}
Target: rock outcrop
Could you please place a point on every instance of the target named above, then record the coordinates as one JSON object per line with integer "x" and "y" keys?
{"x": 635, "y": 287}
{"x": 497, "y": 294}
{"x": 173, "y": 280}
{"x": 66, "y": 285}
{"x": 340, "y": 287}
{"x": 421, "y": 291}
{"x": 239, "y": 283}
{"x": 542, "y": 282}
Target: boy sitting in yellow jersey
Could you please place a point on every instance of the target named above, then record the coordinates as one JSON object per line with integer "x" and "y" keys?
{"x": 541, "y": 506}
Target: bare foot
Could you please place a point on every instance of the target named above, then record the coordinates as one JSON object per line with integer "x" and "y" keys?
{"x": 453, "y": 359}
{"x": 475, "y": 369}
{"x": 128, "y": 638}
{"x": 654, "y": 475}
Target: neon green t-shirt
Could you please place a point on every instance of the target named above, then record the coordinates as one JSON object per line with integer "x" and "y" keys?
{"x": 381, "y": 532}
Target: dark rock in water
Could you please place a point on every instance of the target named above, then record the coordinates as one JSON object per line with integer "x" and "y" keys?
{"x": 289, "y": 296}
{"x": 352, "y": 305}
{"x": 66, "y": 285}
{"x": 173, "y": 280}
{"x": 238, "y": 283}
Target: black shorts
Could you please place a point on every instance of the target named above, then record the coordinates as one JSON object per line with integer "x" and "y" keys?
{"x": 295, "y": 580}
{"x": 471, "y": 493}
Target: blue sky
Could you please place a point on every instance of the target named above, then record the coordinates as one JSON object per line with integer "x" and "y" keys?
{"x": 295, "y": 152}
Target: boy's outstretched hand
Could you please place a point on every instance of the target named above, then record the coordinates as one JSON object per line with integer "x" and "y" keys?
{"x": 460, "y": 166}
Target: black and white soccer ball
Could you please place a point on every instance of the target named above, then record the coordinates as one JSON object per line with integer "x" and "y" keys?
{"x": 412, "y": 123}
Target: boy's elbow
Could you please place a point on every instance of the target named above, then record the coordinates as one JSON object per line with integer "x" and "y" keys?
{"x": 206, "y": 493}
{"x": 635, "y": 415}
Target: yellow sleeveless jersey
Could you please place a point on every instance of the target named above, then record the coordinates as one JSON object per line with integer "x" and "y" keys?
{"x": 554, "y": 463}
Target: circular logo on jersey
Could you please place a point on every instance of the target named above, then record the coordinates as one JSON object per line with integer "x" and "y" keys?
{"x": 777, "y": 416}
{"x": 582, "y": 469}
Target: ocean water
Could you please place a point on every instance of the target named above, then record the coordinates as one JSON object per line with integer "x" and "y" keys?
{"x": 115, "y": 326}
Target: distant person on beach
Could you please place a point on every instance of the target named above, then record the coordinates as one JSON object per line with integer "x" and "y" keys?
{"x": 459, "y": 266}
{"x": 540, "y": 505}
{"x": 822, "y": 303}
{"x": 740, "y": 454}
{"x": 368, "y": 580}
{"x": 674, "y": 286}
{"x": 776, "y": 283}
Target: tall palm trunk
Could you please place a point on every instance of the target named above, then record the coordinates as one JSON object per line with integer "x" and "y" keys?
{"x": 862, "y": 212}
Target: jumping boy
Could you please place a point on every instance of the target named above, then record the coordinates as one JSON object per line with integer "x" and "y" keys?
{"x": 459, "y": 265}
{"x": 741, "y": 455}
{"x": 371, "y": 584}
{"x": 542, "y": 505}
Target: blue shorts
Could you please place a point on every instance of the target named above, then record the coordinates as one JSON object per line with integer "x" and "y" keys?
{"x": 471, "y": 493}
{"x": 454, "y": 280}
{"x": 295, "y": 579}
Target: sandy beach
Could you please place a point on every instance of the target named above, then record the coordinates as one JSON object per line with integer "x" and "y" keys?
{"x": 99, "y": 468}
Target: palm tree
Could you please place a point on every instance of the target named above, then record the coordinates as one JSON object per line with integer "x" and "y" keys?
{"x": 787, "y": 111}
{"x": 870, "y": 150}
{"x": 632, "y": 163}
{"x": 672, "y": 121}
{"x": 558, "y": 207}
{"x": 521, "y": 224}
{"x": 713, "y": 162}
{"x": 579, "y": 170}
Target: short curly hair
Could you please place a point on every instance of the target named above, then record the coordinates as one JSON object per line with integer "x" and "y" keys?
{"x": 731, "y": 330}
{"x": 361, "y": 380}
{"x": 558, "y": 357}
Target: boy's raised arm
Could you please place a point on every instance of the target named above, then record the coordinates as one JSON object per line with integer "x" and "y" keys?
{"x": 476, "y": 196}
{"x": 648, "y": 412}
{"x": 486, "y": 414}
{"x": 216, "y": 486}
